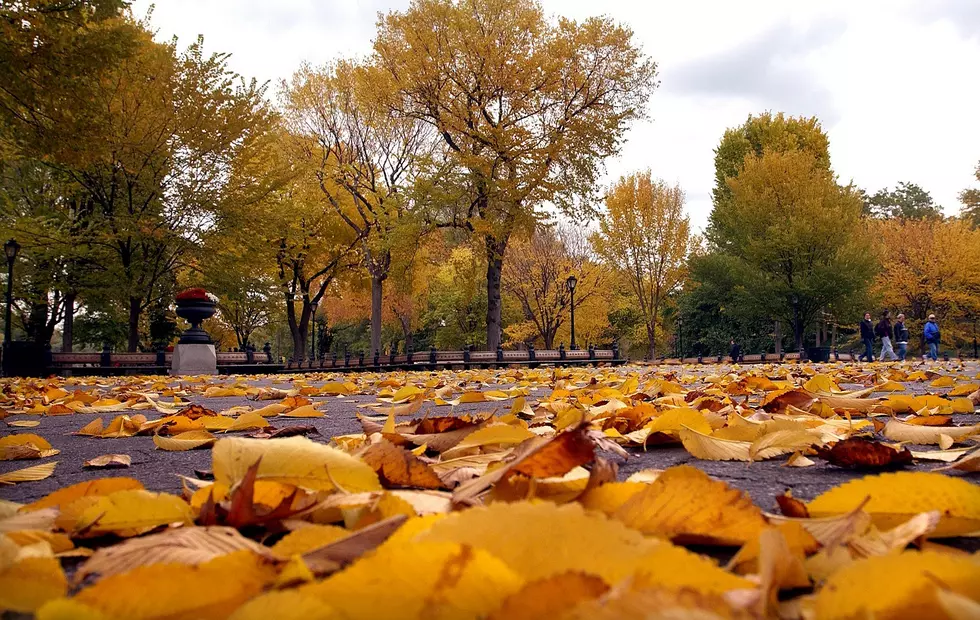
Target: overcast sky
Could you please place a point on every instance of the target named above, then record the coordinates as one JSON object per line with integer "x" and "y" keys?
{"x": 896, "y": 83}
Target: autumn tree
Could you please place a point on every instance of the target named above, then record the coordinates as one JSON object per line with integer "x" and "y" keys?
{"x": 536, "y": 278}
{"x": 971, "y": 203}
{"x": 645, "y": 236}
{"x": 799, "y": 236}
{"x": 907, "y": 201}
{"x": 930, "y": 266}
{"x": 365, "y": 160}
{"x": 527, "y": 108}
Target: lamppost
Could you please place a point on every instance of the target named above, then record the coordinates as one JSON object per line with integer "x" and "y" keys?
{"x": 572, "y": 281}
{"x": 313, "y": 335}
{"x": 796, "y": 324}
{"x": 680, "y": 336}
{"x": 10, "y": 249}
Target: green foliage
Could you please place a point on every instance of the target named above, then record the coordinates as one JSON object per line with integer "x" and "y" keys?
{"x": 907, "y": 201}
{"x": 971, "y": 203}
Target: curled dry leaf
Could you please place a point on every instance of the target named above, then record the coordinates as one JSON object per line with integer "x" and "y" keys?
{"x": 189, "y": 440}
{"x": 911, "y": 433}
{"x": 397, "y": 467}
{"x": 110, "y": 461}
{"x": 860, "y": 453}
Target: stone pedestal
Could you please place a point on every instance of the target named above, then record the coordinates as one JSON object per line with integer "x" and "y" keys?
{"x": 194, "y": 359}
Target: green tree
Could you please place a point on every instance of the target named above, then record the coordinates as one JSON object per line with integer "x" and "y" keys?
{"x": 773, "y": 132}
{"x": 800, "y": 236}
{"x": 527, "y": 108}
{"x": 907, "y": 201}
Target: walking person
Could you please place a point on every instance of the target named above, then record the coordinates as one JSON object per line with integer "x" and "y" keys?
{"x": 735, "y": 352}
{"x": 901, "y": 337}
{"x": 884, "y": 331}
{"x": 868, "y": 337}
{"x": 931, "y": 333}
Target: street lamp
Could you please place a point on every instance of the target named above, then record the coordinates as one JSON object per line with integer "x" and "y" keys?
{"x": 572, "y": 281}
{"x": 313, "y": 338}
{"x": 680, "y": 336}
{"x": 796, "y": 323}
{"x": 10, "y": 249}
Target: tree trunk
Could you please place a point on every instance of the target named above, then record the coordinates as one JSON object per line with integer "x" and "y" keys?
{"x": 134, "y": 324}
{"x": 778, "y": 337}
{"x": 377, "y": 290}
{"x": 652, "y": 341}
{"x": 68, "y": 333}
{"x": 495, "y": 261}
{"x": 407, "y": 330}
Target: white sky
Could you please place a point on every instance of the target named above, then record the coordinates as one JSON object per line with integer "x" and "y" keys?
{"x": 896, "y": 83}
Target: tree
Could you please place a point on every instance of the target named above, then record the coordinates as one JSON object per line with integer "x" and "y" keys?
{"x": 537, "y": 273}
{"x": 971, "y": 203}
{"x": 907, "y": 201}
{"x": 799, "y": 234}
{"x": 930, "y": 266}
{"x": 526, "y": 108}
{"x": 778, "y": 133}
{"x": 365, "y": 160}
{"x": 645, "y": 236}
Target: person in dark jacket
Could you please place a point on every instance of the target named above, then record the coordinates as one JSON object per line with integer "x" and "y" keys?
{"x": 735, "y": 352}
{"x": 901, "y": 337}
{"x": 868, "y": 337}
{"x": 931, "y": 333}
{"x": 884, "y": 331}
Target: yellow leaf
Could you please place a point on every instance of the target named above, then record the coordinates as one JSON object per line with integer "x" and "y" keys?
{"x": 913, "y": 580}
{"x": 673, "y": 420}
{"x": 31, "y": 582}
{"x": 684, "y": 503}
{"x": 181, "y": 592}
{"x": 533, "y": 539}
{"x": 92, "y": 429}
{"x": 22, "y": 439}
{"x": 271, "y": 410}
{"x": 68, "y": 609}
{"x": 284, "y": 605}
{"x": 942, "y": 382}
{"x": 896, "y": 497}
{"x": 184, "y": 441}
{"x": 782, "y": 442}
{"x": 503, "y": 434}
{"x": 821, "y": 384}
{"x": 217, "y": 422}
{"x": 549, "y": 597}
{"x": 123, "y": 511}
{"x": 308, "y": 538}
{"x": 292, "y": 460}
{"x": 28, "y": 474}
{"x": 915, "y": 433}
{"x": 252, "y": 419}
{"x": 24, "y": 423}
{"x": 964, "y": 390}
{"x": 419, "y": 580}
{"x": 94, "y": 488}
{"x": 306, "y": 411}
{"x": 708, "y": 448}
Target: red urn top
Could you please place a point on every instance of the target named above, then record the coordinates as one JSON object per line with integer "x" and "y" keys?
{"x": 195, "y": 294}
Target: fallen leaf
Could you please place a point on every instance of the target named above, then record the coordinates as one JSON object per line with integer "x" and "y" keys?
{"x": 24, "y": 423}
{"x": 110, "y": 461}
{"x": 684, "y": 504}
{"x": 127, "y": 513}
{"x": 284, "y": 605}
{"x": 896, "y": 497}
{"x": 189, "y": 440}
{"x": 911, "y": 433}
{"x": 249, "y": 420}
{"x": 28, "y": 584}
{"x": 28, "y": 474}
{"x": 397, "y": 467}
{"x": 90, "y": 488}
{"x": 292, "y": 460}
{"x": 860, "y": 453}
{"x": 913, "y": 580}
{"x": 549, "y": 597}
{"x": 708, "y": 448}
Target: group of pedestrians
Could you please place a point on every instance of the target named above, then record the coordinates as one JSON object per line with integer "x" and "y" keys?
{"x": 898, "y": 333}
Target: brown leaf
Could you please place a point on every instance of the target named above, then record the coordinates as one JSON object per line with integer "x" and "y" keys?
{"x": 860, "y": 453}
{"x": 397, "y": 467}
{"x": 792, "y": 507}
{"x": 339, "y": 553}
{"x": 568, "y": 454}
{"x": 195, "y": 411}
